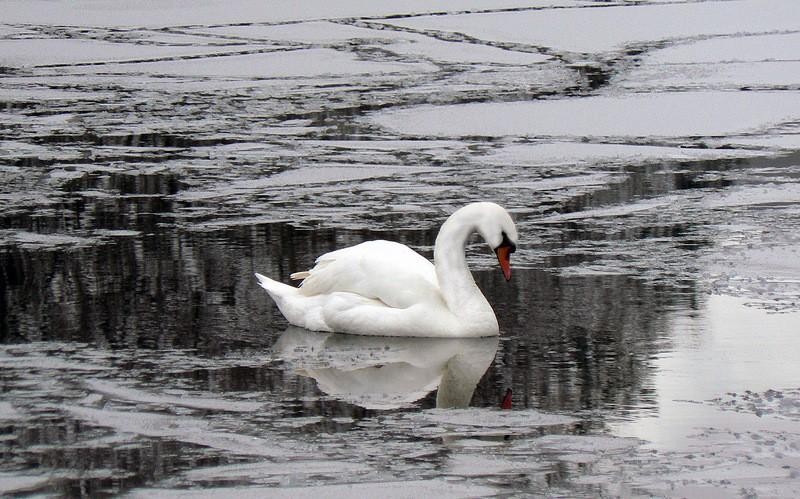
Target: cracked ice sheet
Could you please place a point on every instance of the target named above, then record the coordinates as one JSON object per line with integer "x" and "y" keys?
{"x": 38, "y": 52}
{"x": 605, "y": 29}
{"x": 731, "y": 76}
{"x": 283, "y": 64}
{"x": 730, "y": 62}
{"x": 761, "y": 48}
{"x": 669, "y": 114}
{"x": 403, "y": 43}
{"x": 175, "y": 12}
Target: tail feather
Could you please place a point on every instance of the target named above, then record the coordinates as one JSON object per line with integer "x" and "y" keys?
{"x": 299, "y": 276}
{"x": 277, "y": 290}
{"x": 299, "y": 310}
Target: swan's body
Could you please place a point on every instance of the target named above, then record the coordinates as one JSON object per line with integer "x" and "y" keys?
{"x": 382, "y": 288}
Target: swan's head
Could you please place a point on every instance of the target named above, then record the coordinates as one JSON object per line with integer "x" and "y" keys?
{"x": 497, "y": 228}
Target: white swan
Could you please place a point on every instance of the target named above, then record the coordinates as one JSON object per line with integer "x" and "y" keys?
{"x": 382, "y": 288}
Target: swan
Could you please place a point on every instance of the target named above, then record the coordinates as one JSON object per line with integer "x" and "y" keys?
{"x": 383, "y": 288}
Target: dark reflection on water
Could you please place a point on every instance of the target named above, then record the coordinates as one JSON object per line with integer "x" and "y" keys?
{"x": 567, "y": 343}
{"x": 572, "y": 345}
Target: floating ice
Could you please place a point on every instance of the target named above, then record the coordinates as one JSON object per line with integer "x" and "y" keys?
{"x": 266, "y": 468}
{"x": 615, "y": 27}
{"x": 280, "y": 64}
{"x": 118, "y": 392}
{"x": 8, "y": 411}
{"x": 476, "y": 465}
{"x": 612, "y": 211}
{"x": 439, "y": 488}
{"x": 668, "y": 114}
{"x": 174, "y": 12}
{"x": 754, "y": 196}
{"x": 759, "y": 48}
{"x": 16, "y": 483}
{"x": 182, "y": 428}
{"x": 43, "y": 362}
{"x": 477, "y": 418}
{"x": 38, "y": 52}
{"x": 581, "y": 153}
{"x": 326, "y": 174}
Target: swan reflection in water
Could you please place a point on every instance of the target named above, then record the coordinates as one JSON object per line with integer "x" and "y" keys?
{"x": 381, "y": 372}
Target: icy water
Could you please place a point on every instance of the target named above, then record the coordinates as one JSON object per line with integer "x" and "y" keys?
{"x": 153, "y": 159}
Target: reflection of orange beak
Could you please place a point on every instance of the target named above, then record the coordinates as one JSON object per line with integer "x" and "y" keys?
{"x": 507, "y": 400}
{"x": 504, "y": 257}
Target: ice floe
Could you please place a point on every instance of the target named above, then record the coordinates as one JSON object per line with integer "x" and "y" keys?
{"x": 276, "y": 64}
{"x": 615, "y": 27}
{"x": 183, "y": 428}
{"x": 386, "y": 489}
{"x": 668, "y": 114}
{"x": 554, "y": 154}
{"x": 114, "y": 391}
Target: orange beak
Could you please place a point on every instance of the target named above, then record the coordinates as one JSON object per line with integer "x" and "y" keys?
{"x": 504, "y": 257}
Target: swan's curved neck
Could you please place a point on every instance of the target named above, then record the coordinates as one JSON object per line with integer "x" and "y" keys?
{"x": 459, "y": 290}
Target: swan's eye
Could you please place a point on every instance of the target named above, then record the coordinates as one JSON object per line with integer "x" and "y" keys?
{"x": 507, "y": 244}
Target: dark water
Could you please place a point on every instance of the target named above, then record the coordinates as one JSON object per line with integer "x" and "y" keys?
{"x": 129, "y": 346}
{"x": 179, "y": 312}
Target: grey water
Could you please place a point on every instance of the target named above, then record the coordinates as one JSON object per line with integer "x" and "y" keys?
{"x": 652, "y": 301}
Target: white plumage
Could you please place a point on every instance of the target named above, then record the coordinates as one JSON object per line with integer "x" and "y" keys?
{"x": 383, "y": 288}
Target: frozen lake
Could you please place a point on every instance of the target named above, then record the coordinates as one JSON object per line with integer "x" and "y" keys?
{"x": 154, "y": 157}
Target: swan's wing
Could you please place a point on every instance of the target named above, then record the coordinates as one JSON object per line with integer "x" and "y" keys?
{"x": 379, "y": 270}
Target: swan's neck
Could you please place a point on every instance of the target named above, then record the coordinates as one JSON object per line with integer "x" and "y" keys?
{"x": 462, "y": 295}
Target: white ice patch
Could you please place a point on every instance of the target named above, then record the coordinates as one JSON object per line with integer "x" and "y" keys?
{"x": 558, "y": 183}
{"x": 283, "y": 64}
{"x": 175, "y": 12}
{"x": 324, "y": 174}
{"x": 477, "y": 418}
{"x": 610, "y": 28}
{"x": 182, "y": 428}
{"x": 580, "y": 153}
{"x": 8, "y": 411}
{"x": 476, "y": 465}
{"x": 118, "y": 392}
{"x": 763, "y": 48}
{"x": 778, "y": 403}
{"x": 720, "y": 76}
{"x": 462, "y": 52}
{"x": 33, "y": 240}
{"x": 11, "y": 482}
{"x": 612, "y": 211}
{"x": 669, "y": 114}
{"x": 267, "y": 468}
{"x": 768, "y": 276}
{"x": 11, "y": 94}
{"x": 37, "y": 52}
{"x": 754, "y": 196}
{"x": 401, "y": 43}
{"x": 438, "y": 488}
{"x": 578, "y": 448}
{"x": 35, "y": 361}
{"x": 786, "y": 142}
{"x": 307, "y": 32}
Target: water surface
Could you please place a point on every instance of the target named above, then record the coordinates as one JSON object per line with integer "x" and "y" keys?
{"x": 648, "y": 335}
